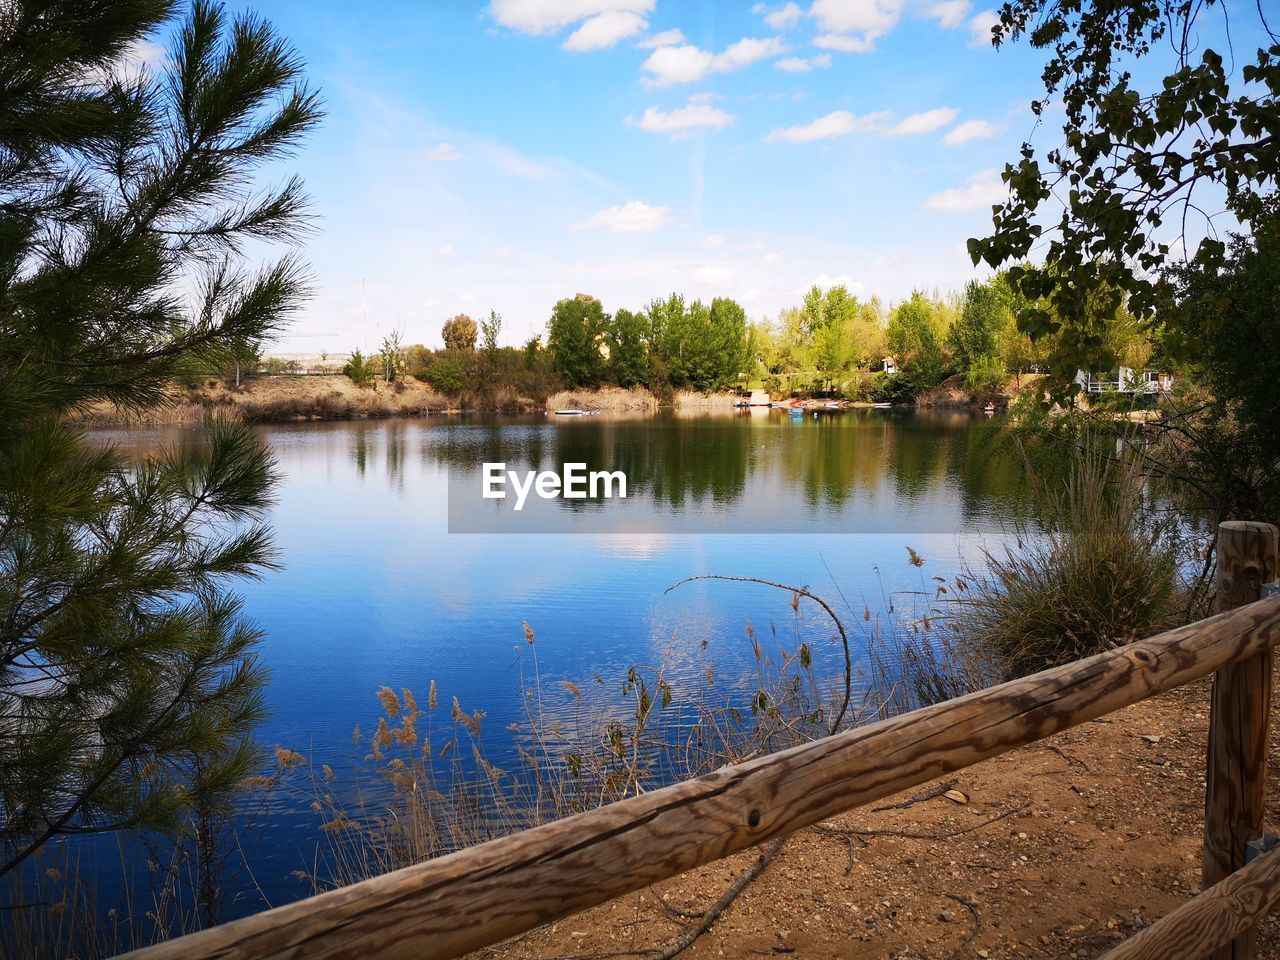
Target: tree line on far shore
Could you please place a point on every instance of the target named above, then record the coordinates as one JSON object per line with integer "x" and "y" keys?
{"x": 832, "y": 343}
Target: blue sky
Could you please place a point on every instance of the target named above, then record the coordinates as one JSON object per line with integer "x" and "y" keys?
{"x": 505, "y": 155}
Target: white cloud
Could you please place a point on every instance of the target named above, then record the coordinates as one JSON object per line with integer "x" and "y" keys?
{"x": 867, "y": 19}
{"x": 838, "y": 124}
{"x": 985, "y": 189}
{"x": 801, "y": 65}
{"x": 926, "y": 121}
{"x": 544, "y": 16}
{"x": 679, "y": 122}
{"x": 826, "y": 282}
{"x": 843, "y": 44}
{"x": 950, "y": 13}
{"x": 783, "y": 17}
{"x": 604, "y": 30}
{"x": 682, "y": 64}
{"x": 711, "y": 274}
{"x": 971, "y": 130}
{"x": 502, "y": 251}
{"x": 687, "y": 63}
{"x": 634, "y": 216}
{"x": 141, "y": 59}
{"x": 713, "y": 240}
{"x": 747, "y": 51}
{"x": 771, "y": 259}
{"x": 446, "y": 251}
{"x": 980, "y": 28}
{"x": 443, "y": 153}
{"x": 667, "y": 38}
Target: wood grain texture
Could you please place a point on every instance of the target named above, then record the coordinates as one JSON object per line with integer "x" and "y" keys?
{"x": 1214, "y": 918}
{"x": 1239, "y": 721}
{"x": 482, "y": 895}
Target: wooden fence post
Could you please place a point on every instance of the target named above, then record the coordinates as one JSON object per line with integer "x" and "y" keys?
{"x": 1236, "y": 770}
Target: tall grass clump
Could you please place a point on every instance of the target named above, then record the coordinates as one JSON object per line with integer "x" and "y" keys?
{"x": 1099, "y": 567}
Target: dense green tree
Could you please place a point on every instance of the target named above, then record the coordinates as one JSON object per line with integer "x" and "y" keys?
{"x": 575, "y": 335}
{"x": 447, "y": 376}
{"x": 916, "y": 334}
{"x": 1151, "y": 152}
{"x": 532, "y": 352}
{"x": 729, "y": 335}
{"x": 459, "y": 333}
{"x": 695, "y": 345}
{"x": 627, "y": 340}
{"x": 359, "y": 368}
{"x": 1236, "y": 461}
{"x": 125, "y": 199}
{"x": 977, "y": 338}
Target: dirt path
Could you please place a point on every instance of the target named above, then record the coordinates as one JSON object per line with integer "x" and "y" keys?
{"x": 1068, "y": 847}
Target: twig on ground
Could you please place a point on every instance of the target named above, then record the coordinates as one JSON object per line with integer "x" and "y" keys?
{"x": 937, "y": 790}
{"x": 913, "y": 835}
{"x": 702, "y": 926}
{"x": 1074, "y": 761}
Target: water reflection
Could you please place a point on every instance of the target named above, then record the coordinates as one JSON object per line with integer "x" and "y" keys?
{"x": 850, "y": 472}
{"x": 374, "y": 591}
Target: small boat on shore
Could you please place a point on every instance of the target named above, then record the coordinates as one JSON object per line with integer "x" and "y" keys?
{"x": 576, "y": 413}
{"x": 881, "y": 406}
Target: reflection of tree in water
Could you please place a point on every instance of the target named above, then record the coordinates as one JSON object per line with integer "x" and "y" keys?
{"x": 360, "y": 450}
{"x": 395, "y": 455}
{"x": 828, "y": 461}
{"x": 989, "y": 473}
{"x": 682, "y": 461}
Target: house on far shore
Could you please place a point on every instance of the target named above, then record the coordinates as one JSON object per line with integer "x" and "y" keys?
{"x": 1123, "y": 380}
{"x": 889, "y": 365}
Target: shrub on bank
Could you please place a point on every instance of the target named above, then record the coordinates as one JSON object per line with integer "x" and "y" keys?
{"x": 892, "y": 388}
{"x": 1097, "y": 570}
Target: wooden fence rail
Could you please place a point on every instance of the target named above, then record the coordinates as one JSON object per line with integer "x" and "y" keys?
{"x": 484, "y": 894}
{"x": 1218, "y": 916}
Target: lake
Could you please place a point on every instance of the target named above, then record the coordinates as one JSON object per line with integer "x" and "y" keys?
{"x": 376, "y": 591}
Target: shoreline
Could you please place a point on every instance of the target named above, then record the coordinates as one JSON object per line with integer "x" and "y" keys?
{"x": 292, "y": 398}
{"x": 332, "y": 397}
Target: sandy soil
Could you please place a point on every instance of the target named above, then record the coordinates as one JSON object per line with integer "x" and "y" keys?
{"x": 1062, "y": 849}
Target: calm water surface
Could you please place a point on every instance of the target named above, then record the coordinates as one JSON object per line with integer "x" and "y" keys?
{"x": 376, "y": 592}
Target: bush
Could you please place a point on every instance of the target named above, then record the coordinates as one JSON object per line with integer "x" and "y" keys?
{"x": 360, "y": 369}
{"x": 1095, "y": 572}
{"x": 893, "y": 388}
{"x": 447, "y": 376}
{"x": 984, "y": 374}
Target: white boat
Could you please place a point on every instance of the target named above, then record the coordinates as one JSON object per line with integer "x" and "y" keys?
{"x": 882, "y": 406}
{"x": 575, "y": 413}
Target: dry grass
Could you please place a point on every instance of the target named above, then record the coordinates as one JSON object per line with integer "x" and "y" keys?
{"x": 634, "y": 399}
{"x": 1100, "y": 567}
{"x": 692, "y": 400}
{"x": 605, "y": 399}
{"x": 282, "y": 398}
{"x": 178, "y": 412}
{"x": 431, "y": 787}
